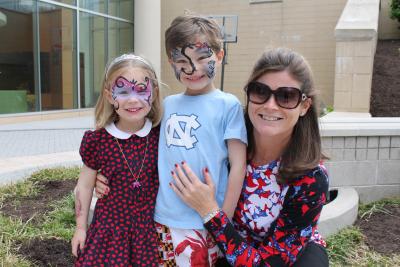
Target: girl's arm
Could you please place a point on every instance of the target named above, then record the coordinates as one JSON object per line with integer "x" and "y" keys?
{"x": 83, "y": 198}
{"x": 290, "y": 232}
{"x": 237, "y": 161}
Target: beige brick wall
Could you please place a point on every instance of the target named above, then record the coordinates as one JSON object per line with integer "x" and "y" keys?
{"x": 356, "y": 36}
{"x": 388, "y": 28}
{"x": 306, "y": 26}
{"x": 370, "y": 164}
{"x": 354, "y": 61}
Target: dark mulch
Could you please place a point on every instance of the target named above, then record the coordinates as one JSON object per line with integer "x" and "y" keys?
{"x": 43, "y": 252}
{"x": 385, "y": 92}
{"x": 27, "y": 207}
{"x": 48, "y": 252}
{"x": 382, "y": 229}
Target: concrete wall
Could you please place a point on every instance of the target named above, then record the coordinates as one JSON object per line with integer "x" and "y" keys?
{"x": 147, "y": 40}
{"x": 306, "y": 26}
{"x": 388, "y": 28}
{"x": 356, "y": 39}
{"x": 364, "y": 153}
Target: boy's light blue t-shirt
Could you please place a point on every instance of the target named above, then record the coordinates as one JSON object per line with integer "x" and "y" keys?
{"x": 195, "y": 129}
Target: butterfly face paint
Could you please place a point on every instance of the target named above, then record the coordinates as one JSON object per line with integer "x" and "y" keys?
{"x": 186, "y": 59}
{"x": 124, "y": 89}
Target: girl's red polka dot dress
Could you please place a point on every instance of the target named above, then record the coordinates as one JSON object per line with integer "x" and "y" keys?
{"x": 122, "y": 232}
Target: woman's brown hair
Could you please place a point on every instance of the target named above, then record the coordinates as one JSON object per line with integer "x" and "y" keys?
{"x": 303, "y": 151}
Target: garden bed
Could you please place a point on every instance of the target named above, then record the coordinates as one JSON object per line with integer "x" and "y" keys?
{"x": 385, "y": 91}
{"x": 37, "y": 222}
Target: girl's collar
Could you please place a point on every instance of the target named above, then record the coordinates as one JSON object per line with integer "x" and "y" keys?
{"x": 114, "y": 131}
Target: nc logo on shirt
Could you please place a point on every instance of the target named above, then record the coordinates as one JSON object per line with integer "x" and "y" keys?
{"x": 178, "y": 130}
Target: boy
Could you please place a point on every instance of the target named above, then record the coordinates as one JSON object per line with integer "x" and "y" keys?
{"x": 204, "y": 128}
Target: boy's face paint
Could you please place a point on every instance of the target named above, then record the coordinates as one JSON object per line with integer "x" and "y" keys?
{"x": 124, "y": 89}
{"x": 192, "y": 57}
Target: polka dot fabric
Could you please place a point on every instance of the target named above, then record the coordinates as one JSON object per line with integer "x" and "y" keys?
{"x": 122, "y": 232}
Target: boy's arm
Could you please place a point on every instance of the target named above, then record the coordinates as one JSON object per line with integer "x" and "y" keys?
{"x": 83, "y": 197}
{"x": 237, "y": 160}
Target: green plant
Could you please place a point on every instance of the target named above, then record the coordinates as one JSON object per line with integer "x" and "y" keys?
{"x": 325, "y": 110}
{"x": 395, "y": 10}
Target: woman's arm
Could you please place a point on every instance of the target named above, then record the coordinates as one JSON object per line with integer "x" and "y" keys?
{"x": 101, "y": 187}
{"x": 83, "y": 198}
{"x": 237, "y": 161}
{"x": 293, "y": 228}
{"x": 291, "y": 231}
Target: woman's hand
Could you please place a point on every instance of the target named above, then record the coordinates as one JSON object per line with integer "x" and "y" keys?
{"x": 101, "y": 187}
{"x": 198, "y": 195}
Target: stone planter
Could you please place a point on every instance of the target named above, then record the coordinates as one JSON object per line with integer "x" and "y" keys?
{"x": 340, "y": 212}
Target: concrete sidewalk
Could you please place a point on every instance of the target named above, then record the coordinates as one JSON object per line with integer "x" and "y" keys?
{"x": 30, "y": 146}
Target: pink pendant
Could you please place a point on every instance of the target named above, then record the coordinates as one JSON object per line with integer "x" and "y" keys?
{"x": 136, "y": 184}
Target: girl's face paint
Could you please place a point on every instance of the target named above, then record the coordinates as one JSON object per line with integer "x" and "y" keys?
{"x": 193, "y": 57}
{"x": 124, "y": 89}
{"x": 131, "y": 95}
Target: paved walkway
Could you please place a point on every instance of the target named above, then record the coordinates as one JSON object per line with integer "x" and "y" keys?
{"x": 26, "y": 147}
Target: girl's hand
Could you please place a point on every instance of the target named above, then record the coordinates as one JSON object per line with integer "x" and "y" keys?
{"x": 78, "y": 241}
{"x": 198, "y": 195}
{"x": 101, "y": 187}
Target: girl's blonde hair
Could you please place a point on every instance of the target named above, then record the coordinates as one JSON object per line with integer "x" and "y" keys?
{"x": 104, "y": 111}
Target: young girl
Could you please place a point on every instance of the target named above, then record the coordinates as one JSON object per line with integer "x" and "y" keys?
{"x": 204, "y": 128}
{"x": 124, "y": 147}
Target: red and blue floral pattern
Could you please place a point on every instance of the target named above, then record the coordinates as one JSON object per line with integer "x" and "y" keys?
{"x": 272, "y": 221}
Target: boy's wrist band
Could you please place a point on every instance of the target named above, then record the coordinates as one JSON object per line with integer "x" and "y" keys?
{"x": 210, "y": 215}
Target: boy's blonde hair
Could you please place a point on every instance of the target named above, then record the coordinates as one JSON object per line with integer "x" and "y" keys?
{"x": 184, "y": 29}
{"x": 104, "y": 111}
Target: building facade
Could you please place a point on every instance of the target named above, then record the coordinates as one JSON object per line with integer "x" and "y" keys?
{"x": 53, "y": 53}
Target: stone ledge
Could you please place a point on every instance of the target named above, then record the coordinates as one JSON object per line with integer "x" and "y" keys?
{"x": 20, "y": 168}
{"x": 6, "y": 119}
{"x": 358, "y": 21}
{"x": 348, "y": 124}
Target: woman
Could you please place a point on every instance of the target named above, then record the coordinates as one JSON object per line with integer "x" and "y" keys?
{"x": 285, "y": 186}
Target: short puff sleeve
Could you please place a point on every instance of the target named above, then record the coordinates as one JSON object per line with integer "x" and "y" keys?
{"x": 89, "y": 150}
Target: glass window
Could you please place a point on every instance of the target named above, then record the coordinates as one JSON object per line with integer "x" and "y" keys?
{"x": 120, "y": 38}
{"x": 69, "y": 2}
{"x": 97, "y": 6}
{"x": 92, "y": 57}
{"x": 17, "y": 86}
{"x": 121, "y": 8}
{"x": 38, "y": 51}
{"x": 57, "y": 57}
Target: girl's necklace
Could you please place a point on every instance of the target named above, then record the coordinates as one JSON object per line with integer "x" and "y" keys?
{"x": 136, "y": 183}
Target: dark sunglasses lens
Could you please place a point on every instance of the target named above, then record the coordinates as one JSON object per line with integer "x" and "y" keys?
{"x": 258, "y": 93}
{"x": 288, "y": 97}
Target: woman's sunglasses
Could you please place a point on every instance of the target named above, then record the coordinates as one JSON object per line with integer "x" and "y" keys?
{"x": 285, "y": 97}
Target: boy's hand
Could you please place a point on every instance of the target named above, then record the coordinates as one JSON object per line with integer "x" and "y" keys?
{"x": 78, "y": 241}
{"x": 101, "y": 187}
